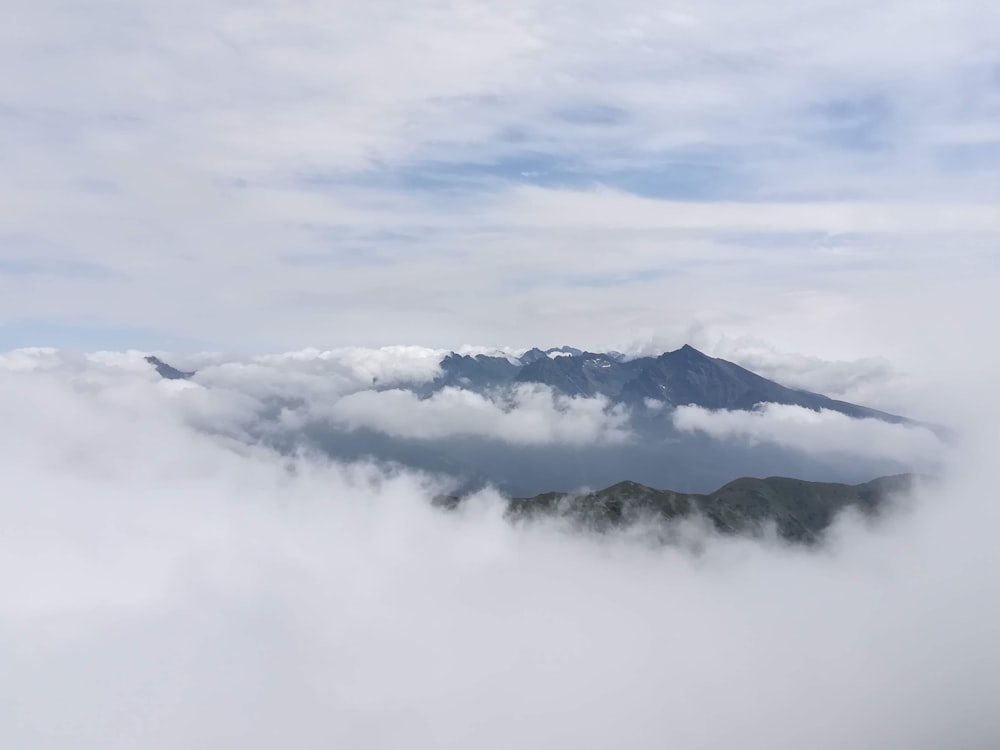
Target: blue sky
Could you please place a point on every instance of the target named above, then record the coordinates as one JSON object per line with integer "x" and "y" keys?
{"x": 284, "y": 174}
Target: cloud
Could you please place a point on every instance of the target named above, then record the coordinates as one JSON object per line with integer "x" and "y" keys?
{"x": 815, "y": 432}
{"x": 349, "y": 389}
{"x": 377, "y": 404}
{"x": 339, "y": 370}
{"x": 466, "y": 162}
{"x": 872, "y": 381}
{"x": 767, "y": 170}
{"x": 355, "y": 388}
{"x": 317, "y": 375}
{"x": 527, "y": 414}
{"x": 160, "y": 585}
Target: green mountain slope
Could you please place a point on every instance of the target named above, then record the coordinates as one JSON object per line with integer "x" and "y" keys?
{"x": 800, "y": 510}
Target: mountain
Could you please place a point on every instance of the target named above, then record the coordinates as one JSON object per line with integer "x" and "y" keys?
{"x": 800, "y": 510}
{"x": 168, "y": 372}
{"x": 681, "y": 377}
{"x": 678, "y": 378}
{"x": 478, "y": 373}
{"x": 654, "y": 450}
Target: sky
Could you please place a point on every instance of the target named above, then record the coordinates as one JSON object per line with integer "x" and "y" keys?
{"x": 271, "y": 175}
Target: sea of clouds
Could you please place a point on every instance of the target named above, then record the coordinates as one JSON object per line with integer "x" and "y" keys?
{"x": 525, "y": 438}
{"x": 167, "y": 581}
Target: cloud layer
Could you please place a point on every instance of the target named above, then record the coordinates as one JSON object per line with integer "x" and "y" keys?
{"x": 376, "y": 404}
{"x": 815, "y": 432}
{"x": 528, "y": 414}
{"x": 160, "y": 586}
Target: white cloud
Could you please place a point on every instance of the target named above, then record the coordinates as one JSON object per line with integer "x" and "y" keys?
{"x": 288, "y": 174}
{"x": 653, "y": 404}
{"x": 872, "y": 381}
{"x": 264, "y": 177}
{"x": 158, "y": 587}
{"x": 816, "y": 432}
{"x": 316, "y": 375}
{"x": 527, "y": 414}
{"x": 615, "y": 209}
{"x": 335, "y": 387}
{"x": 337, "y": 370}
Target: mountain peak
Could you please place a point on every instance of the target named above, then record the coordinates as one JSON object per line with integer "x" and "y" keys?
{"x": 686, "y": 351}
{"x": 167, "y": 372}
{"x": 531, "y": 355}
{"x": 678, "y": 378}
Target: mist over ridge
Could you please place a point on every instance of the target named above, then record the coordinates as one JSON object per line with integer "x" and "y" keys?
{"x": 158, "y": 565}
{"x": 564, "y": 419}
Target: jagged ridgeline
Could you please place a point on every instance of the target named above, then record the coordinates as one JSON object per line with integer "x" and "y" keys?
{"x": 685, "y": 376}
{"x": 638, "y": 395}
{"x": 678, "y": 378}
{"x": 168, "y": 372}
{"x": 799, "y": 510}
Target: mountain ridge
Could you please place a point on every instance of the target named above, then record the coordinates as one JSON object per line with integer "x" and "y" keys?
{"x": 800, "y": 510}
{"x": 681, "y": 377}
{"x": 167, "y": 372}
{"x": 684, "y": 376}
{"x": 642, "y": 392}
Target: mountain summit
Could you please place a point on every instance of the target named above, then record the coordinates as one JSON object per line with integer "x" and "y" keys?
{"x": 641, "y": 395}
{"x": 677, "y": 378}
{"x": 167, "y": 372}
{"x": 681, "y": 377}
{"x": 800, "y": 511}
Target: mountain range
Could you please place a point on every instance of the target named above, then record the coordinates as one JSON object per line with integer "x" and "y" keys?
{"x": 677, "y": 378}
{"x": 168, "y": 372}
{"x": 800, "y": 511}
{"x": 681, "y": 377}
{"x": 656, "y": 453}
